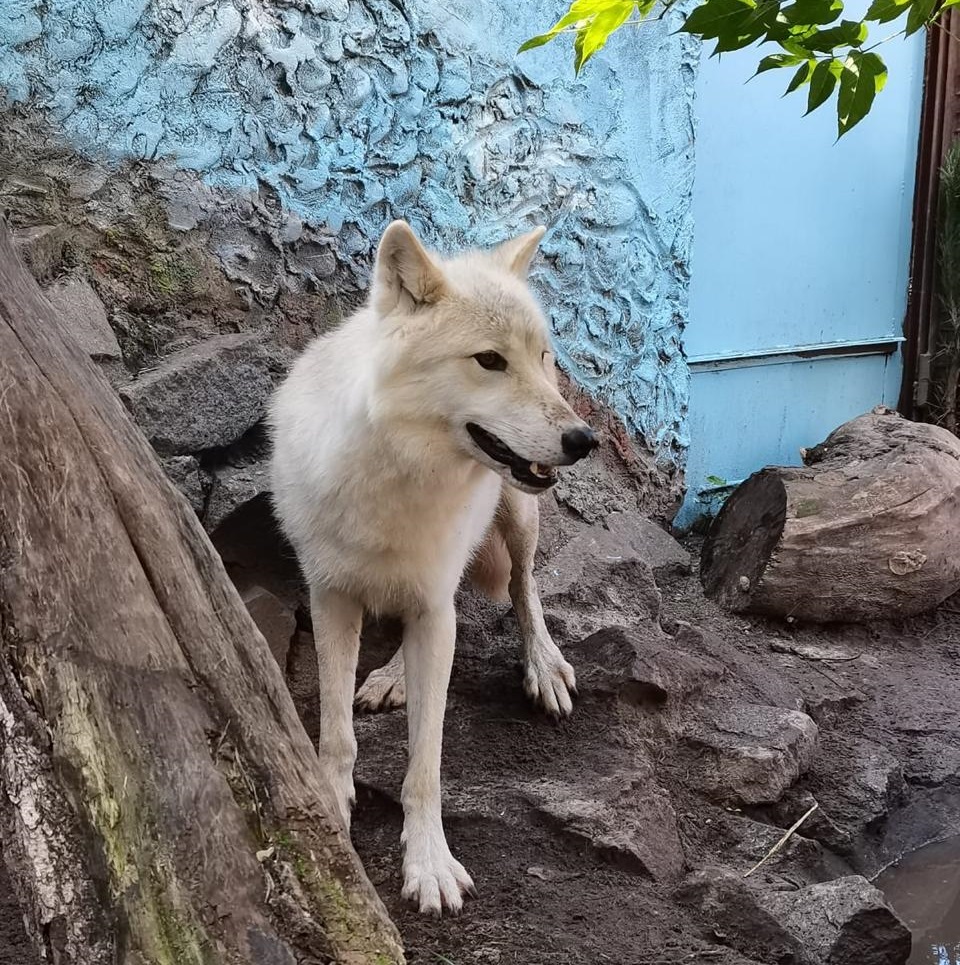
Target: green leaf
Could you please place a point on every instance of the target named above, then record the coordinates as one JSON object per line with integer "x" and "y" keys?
{"x": 579, "y": 15}
{"x": 568, "y": 20}
{"x": 741, "y": 33}
{"x": 799, "y": 78}
{"x": 537, "y": 41}
{"x": 715, "y": 17}
{"x": 773, "y": 61}
{"x": 823, "y": 80}
{"x": 921, "y": 11}
{"x": 861, "y": 79}
{"x": 848, "y": 33}
{"x": 883, "y": 11}
{"x": 597, "y": 33}
{"x": 806, "y": 12}
{"x": 578, "y": 59}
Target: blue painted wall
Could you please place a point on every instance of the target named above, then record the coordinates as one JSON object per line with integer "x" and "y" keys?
{"x": 358, "y": 111}
{"x": 799, "y": 240}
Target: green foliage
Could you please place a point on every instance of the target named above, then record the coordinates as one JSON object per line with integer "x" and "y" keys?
{"x": 946, "y": 368}
{"x": 826, "y": 53}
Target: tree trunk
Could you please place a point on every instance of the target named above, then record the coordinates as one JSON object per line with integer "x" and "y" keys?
{"x": 868, "y": 528}
{"x": 160, "y": 801}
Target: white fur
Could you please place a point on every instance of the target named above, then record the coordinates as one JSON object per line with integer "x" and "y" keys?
{"x": 386, "y": 498}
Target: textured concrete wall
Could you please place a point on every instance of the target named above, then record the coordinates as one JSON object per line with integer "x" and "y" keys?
{"x": 351, "y": 112}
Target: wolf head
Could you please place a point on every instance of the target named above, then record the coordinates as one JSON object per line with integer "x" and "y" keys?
{"x": 465, "y": 347}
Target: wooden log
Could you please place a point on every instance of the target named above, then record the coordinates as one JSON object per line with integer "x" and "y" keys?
{"x": 159, "y": 800}
{"x": 868, "y": 528}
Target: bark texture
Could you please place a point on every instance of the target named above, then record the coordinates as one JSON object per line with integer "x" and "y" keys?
{"x": 868, "y": 528}
{"x": 160, "y": 801}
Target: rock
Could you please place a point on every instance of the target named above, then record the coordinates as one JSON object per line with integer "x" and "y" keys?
{"x": 275, "y": 620}
{"x": 643, "y": 666}
{"x": 820, "y": 826}
{"x": 737, "y": 841}
{"x": 185, "y": 473}
{"x": 85, "y": 317}
{"x": 827, "y": 707}
{"x": 233, "y": 487}
{"x": 650, "y": 542}
{"x": 842, "y": 922}
{"x": 624, "y": 537}
{"x": 42, "y": 248}
{"x": 857, "y": 782}
{"x": 875, "y": 779}
{"x": 626, "y": 818}
{"x": 751, "y": 754}
{"x": 728, "y": 905}
{"x": 204, "y": 396}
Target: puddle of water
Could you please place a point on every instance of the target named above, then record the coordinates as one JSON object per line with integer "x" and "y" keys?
{"x": 924, "y": 889}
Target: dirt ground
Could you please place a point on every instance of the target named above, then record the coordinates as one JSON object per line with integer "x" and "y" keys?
{"x": 567, "y": 886}
{"x": 683, "y": 753}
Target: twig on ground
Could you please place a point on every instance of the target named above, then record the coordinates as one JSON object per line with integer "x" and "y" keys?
{"x": 788, "y": 834}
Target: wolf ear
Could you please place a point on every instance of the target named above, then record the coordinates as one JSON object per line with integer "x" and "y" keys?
{"x": 404, "y": 270}
{"x": 515, "y": 255}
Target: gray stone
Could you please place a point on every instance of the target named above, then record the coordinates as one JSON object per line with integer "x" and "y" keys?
{"x": 83, "y": 313}
{"x": 739, "y": 842}
{"x": 819, "y": 826}
{"x": 875, "y": 779}
{"x": 41, "y": 247}
{"x": 842, "y": 922}
{"x": 858, "y": 782}
{"x": 185, "y": 473}
{"x": 204, "y": 396}
{"x": 233, "y": 487}
{"x": 641, "y": 666}
{"x": 624, "y": 537}
{"x": 729, "y": 906}
{"x": 626, "y": 817}
{"x": 751, "y": 754}
{"x": 275, "y": 620}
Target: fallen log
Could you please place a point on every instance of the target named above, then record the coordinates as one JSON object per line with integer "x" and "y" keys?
{"x": 868, "y": 528}
{"x": 159, "y": 800}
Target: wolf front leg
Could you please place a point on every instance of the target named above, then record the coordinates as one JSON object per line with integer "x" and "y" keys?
{"x": 547, "y": 678}
{"x": 432, "y": 877}
{"x": 337, "y": 620}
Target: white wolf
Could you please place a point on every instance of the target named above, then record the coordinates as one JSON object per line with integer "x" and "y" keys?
{"x": 393, "y": 437}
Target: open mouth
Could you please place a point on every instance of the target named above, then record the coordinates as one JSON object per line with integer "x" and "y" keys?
{"x": 529, "y": 473}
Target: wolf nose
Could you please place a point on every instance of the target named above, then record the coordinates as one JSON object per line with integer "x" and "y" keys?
{"x": 578, "y": 443}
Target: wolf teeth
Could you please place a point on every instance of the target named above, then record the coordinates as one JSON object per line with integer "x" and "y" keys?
{"x": 538, "y": 470}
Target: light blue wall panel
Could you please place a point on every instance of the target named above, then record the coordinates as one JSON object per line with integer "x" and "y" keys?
{"x": 799, "y": 240}
{"x": 743, "y": 419}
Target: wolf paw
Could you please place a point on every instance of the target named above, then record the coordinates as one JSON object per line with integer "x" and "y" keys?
{"x": 434, "y": 880}
{"x": 384, "y": 689}
{"x": 549, "y": 681}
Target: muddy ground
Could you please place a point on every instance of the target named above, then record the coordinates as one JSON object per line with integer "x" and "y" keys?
{"x": 697, "y": 738}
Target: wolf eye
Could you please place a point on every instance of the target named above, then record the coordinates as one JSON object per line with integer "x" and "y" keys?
{"x": 491, "y": 360}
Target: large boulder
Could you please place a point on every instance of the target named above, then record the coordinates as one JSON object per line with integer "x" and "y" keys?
{"x": 749, "y": 754}
{"x": 842, "y": 922}
{"x": 204, "y": 396}
{"x": 86, "y": 318}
